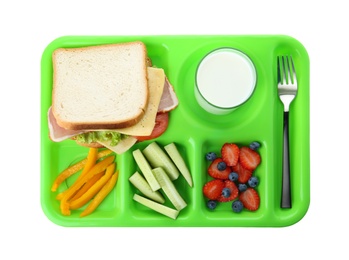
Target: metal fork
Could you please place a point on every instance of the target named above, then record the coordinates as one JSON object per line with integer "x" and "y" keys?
{"x": 287, "y": 90}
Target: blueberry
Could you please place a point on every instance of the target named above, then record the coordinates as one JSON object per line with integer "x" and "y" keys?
{"x": 221, "y": 166}
{"x": 255, "y": 145}
{"x": 233, "y": 176}
{"x": 242, "y": 187}
{"x": 226, "y": 192}
{"x": 211, "y": 204}
{"x": 253, "y": 181}
{"x": 210, "y": 156}
{"x": 237, "y": 206}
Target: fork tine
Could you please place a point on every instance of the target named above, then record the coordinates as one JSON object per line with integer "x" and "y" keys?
{"x": 294, "y": 78}
{"x": 288, "y": 71}
{"x": 284, "y": 70}
{"x": 278, "y": 69}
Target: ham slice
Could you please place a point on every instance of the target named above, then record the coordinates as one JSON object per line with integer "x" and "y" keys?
{"x": 58, "y": 133}
{"x": 168, "y": 102}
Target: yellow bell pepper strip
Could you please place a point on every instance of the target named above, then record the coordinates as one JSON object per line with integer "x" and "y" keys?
{"x": 91, "y": 160}
{"x": 75, "y": 168}
{"x": 60, "y": 195}
{"x": 96, "y": 201}
{"x": 97, "y": 168}
{"x": 67, "y": 173}
{"x": 88, "y": 195}
{"x": 87, "y": 185}
{"x": 83, "y": 189}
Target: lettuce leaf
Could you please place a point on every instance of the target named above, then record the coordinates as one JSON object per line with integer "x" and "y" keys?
{"x": 94, "y": 136}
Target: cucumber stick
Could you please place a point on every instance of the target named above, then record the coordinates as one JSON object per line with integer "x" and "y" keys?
{"x": 169, "y": 189}
{"x": 158, "y": 158}
{"x": 143, "y": 186}
{"x": 178, "y": 160}
{"x": 167, "y": 211}
{"x": 145, "y": 169}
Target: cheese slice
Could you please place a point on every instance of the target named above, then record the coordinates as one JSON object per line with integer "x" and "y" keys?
{"x": 156, "y": 82}
{"x": 122, "y": 146}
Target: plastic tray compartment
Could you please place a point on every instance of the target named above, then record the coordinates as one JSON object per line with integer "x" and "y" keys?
{"x": 196, "y": 132}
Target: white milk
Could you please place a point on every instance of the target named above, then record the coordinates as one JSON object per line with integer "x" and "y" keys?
{"x": 225, "y": 79}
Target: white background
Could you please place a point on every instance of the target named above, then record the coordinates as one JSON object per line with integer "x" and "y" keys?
{"x": 26, "y": 29}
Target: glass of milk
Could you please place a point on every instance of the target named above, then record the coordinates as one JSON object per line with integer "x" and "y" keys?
{"x": 225, "y": 79}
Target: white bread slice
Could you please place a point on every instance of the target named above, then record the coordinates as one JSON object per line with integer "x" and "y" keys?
{"x": 156, "y": 84}
{"x": 100, "y": 87}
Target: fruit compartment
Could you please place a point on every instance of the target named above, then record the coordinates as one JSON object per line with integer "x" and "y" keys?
{"x": 196, "y": 132}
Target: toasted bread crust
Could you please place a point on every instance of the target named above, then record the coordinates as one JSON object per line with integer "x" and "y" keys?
{"x": 106, "y": 125}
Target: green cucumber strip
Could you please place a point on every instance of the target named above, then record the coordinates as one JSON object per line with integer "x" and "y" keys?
{"x": 143, "y": 186}
{"x": 169, "y": 188}
{"x": 167, "y": 211}
{"x": 158, "y": 158}
{"x": 178, "y": 160}
{"x": 145, "y": 169}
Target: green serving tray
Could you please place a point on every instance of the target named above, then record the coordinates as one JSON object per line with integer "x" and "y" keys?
{"x": 196, "y": 132}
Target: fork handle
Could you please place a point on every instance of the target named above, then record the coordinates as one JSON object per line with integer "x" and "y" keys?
{"x": 286, "y": 184}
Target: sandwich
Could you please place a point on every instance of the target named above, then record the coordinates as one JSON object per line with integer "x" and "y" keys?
{"x": 108, "y": 96}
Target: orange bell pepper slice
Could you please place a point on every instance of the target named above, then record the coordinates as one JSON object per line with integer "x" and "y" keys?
{"x": 92, "y": 157}
{"x": 87, "y": 185}
{"x": 97, "y": 168}
{"x": 88, "y": 195}
{"x": 75, "y": 168}
{"x": 100, "y": 196}
{"x": 91, "y": 160}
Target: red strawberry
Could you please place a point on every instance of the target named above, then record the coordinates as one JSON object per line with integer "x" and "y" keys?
{"x": 250, "y": 199}
{"x": 214, "y": 172}
{"x": 213, "y": 189}
{"x": 230, "y": 154}
{"x": 243, "y": 173}
{"x": 249, "y": 158}
{"x": 234, "y": 191}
